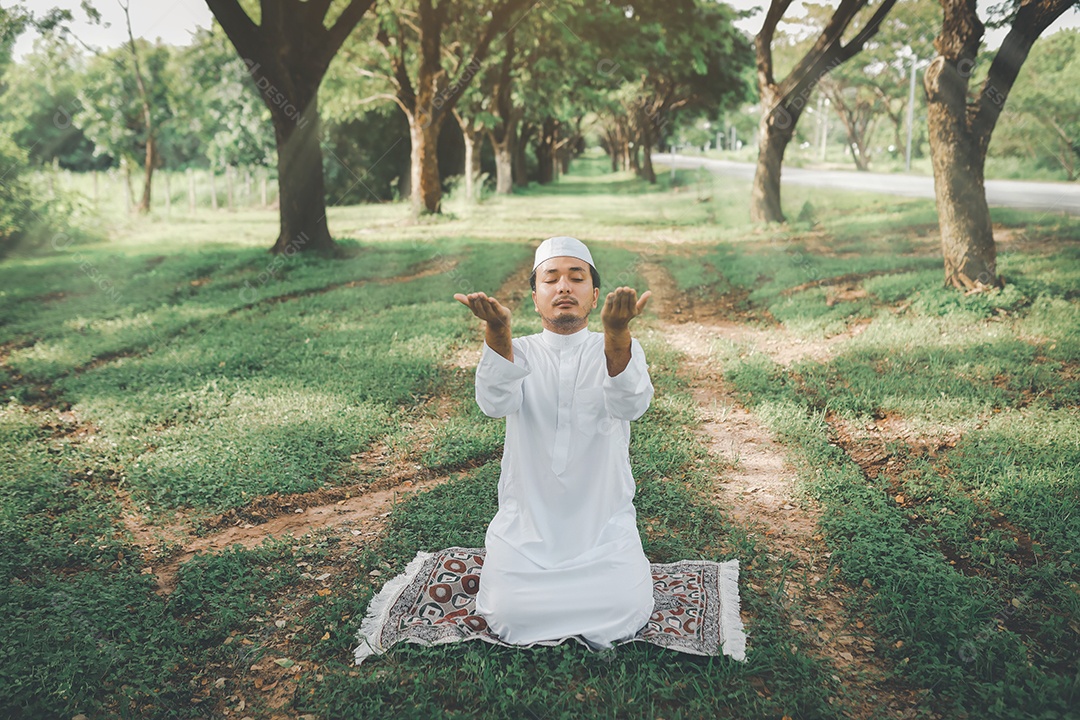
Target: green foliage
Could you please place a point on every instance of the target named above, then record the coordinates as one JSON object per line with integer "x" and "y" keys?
{"x": 366, "y": 160}
{"x": 110, "y": 104}
{"x": 1041, "y": 121}
{"x": 32, "y": 217}
{"x": 220, "y": 118}
{"x": 40, "y": 103}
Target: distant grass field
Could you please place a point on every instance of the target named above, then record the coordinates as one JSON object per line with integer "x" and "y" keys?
{"x": 178, "y": 371}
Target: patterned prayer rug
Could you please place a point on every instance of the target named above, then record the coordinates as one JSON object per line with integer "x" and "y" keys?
{"x": 434, "y": 602}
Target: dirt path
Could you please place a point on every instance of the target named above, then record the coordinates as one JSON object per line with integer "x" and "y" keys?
{"x": 759, "y": 492}
{"x": 361, "y": 515}
{"x": 358, "y": 509}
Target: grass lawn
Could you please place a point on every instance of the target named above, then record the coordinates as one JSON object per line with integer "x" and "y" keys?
{"x": 175, "y": 388}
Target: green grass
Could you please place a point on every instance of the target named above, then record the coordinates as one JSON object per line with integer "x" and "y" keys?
{"x": 177, "y": 369}
{"x": 970, "y": 575}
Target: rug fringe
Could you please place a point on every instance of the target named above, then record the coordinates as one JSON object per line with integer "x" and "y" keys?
{"x": 379, "y": 609}
{"x": 731, "y": 621}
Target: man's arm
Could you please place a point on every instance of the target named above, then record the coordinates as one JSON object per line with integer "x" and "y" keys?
{"x": 497, "y": 318}
{"x": 620, "y": 307}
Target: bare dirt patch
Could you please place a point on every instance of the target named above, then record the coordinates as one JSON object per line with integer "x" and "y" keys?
{"x": 699, "y": 323}
{"x": 362, "y": 514}
{"x": 758, "y": 490}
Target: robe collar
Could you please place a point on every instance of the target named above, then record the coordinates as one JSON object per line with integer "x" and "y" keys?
{"x": 562, "y": 342}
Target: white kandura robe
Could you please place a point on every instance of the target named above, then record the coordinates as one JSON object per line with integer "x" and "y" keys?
{"x": 564, "y": 556}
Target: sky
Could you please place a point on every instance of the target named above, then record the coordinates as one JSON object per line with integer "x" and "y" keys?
{"x": 175, "y": 20}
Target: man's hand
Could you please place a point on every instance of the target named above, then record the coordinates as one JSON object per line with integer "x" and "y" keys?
{"x": 496, "y": 315}
{"x": 486, "y": 308}
{"x": 621, "y": 306}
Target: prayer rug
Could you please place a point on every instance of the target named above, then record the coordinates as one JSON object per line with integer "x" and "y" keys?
{"x": 433, "y": 602}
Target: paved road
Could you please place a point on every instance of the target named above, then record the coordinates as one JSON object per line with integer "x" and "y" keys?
{"x": 1048, "y": 196}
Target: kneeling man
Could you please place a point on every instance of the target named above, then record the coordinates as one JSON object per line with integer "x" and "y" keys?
{"x": 564, "y": 556}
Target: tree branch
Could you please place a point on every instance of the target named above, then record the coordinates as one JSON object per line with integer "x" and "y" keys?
{"x": 868, "y": 31}
{"x": 397, "y": 63}
{"x": 244, "y": 34}
{"x": 1033, "y": 17}
{"x": 385, "y": 96}
{"x": 830, "y": 53}
{"x": 499, "y": 18}
{"x": 763, "y": 42}
{"x": 344, "y": 25}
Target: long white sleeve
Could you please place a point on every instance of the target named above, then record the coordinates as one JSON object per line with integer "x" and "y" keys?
{"x": 629, "y": 393}
{"x": 498, "y": 381}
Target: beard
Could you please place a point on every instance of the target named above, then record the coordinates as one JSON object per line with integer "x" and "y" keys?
{"x": 569, "y": 322}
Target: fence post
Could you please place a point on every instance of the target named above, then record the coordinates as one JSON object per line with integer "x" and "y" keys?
{"x": 229, "y": 172}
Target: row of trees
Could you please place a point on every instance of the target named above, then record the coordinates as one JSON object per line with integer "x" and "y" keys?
{"x": 527, "y": 75}
{"x": 960, "y": 123}
{"x": 523, "y": 76}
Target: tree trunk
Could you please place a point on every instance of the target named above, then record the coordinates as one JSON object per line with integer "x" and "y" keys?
{"x": 473, "y": 138}
{"x": 521, "y": 146}
{"x": 647, "y": 170}
{"x": 504, "y": 166}
{"x": 613, "y": 151}
{"x": 775, "y": 131}
{"x": 473, "y": 141}
{"x": 151, "y": 159}
{"x": 502, "y": 134}
{"x": 426, "y": 188}
{"x": 545, "y": 149}
{"x": 633, "y": 157}
{"x": 301, "y": 190}
{"x": 967, "y": 238}
{"x": 286, "y": 57}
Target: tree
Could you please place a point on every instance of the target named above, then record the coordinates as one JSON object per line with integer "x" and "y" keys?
{"x": 1046, "y": 97}
{"x": 782, "y": 102}
{"x": 433, "y": 52}
{"x": 960, "y": 129}
{"x": 220, "y": 116}
{"x": 150, "y": 139}
{"x": 696, "y": 62}
{"x": 40, "y": 105}
{"x": 875, "y": 84}
{"x": 287, "y": 54}
{"x": 117, "y": 116}
{"x": 505, "y": 116}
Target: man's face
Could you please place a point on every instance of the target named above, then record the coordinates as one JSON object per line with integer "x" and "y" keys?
{"x": 564, "y": 294}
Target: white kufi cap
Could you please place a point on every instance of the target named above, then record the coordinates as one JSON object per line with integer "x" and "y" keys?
{"x": 562, "y": 246}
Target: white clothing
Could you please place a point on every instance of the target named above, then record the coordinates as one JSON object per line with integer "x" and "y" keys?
{"x": 564, "y": 556}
